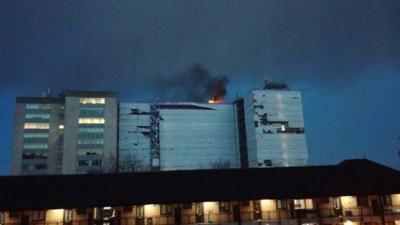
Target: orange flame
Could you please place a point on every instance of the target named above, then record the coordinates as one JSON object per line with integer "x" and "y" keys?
{"x": 215, "y": 101}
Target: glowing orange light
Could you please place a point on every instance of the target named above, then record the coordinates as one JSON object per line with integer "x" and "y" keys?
{"x": 215, "y": 101}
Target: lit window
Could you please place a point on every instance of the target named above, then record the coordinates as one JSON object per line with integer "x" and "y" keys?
{"x": 36, "y": 126}
{"x": 37, "y": 116}
{"x": 91, "y": 129}
{"x": 61, "y": 126}
{"x": 91, "y": 120}
{"x": 36, "y": 135}
{"x": 93, "y": 141}
{"x": 37, "y": 106}
{"x": 92, "y": 101}
{"x": 36, "y": 146}
{"x": 283, "y": 127}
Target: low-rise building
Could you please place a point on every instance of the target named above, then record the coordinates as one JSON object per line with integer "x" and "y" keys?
{"x": 354, "y": 192}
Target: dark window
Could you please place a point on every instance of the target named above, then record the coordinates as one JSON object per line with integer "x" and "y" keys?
{"x": 387, "y": 200}
{"x": 14, "y": 214}
{"x": 165, "y": 209}
{"x": 127, "y": 208}
{"x": 80, "y": 211}
{"x": 256, "y": 123}
{"x": 281, "y": 204}
{"x": 245, "y": 203}
{"x": 187, "y": 205}
{"x": 39, "y": 215}
{"x": 224, "y": 206}
{"x": 257, "y": 205}
{"x": 362, "y": 201}
{"x": 268, "y": 162}
{"x": 323, "y": 200}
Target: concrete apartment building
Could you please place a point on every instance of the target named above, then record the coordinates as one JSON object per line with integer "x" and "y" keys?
{"x": 73, "y": 133}
{"x": 90, "y": 132}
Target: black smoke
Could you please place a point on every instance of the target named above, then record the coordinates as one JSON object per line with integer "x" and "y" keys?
{"x": 193, "y": 84}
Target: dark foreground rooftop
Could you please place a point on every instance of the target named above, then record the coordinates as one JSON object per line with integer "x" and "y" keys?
{"x": 351, "y": 177}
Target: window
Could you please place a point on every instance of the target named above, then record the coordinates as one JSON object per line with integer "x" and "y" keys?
{"x": 36, "y": 146}
{"x": 2, "y": 217}
{"x": 323, "y": 200}
{"x": 387, "y": 200}
{"x": 91, "y": 129}
{"x": 40, "y": 126}
{"x": 257, "y": 206}
{"x": 139, "y": 211}
{"x": 67, "y": 215}
{"x": 39, "y": 215}
{"x": 91, "y": 120}
{"x": 90, "y": 152}
{"x": 37, "y": 106}
{"x": 93, "y": 141}
{"x": 34, "y": 156}
{"x": 165, "y": 209}
{"x": 336, "y": 203}
{"x": 362, "y": 201}
{"x": 245, "y": 203}
{"x": 299, "y": 204}
{"x": 80, "y": 211}
{"x": 187, "y": 205}
{"x": 44, "y": 116}
{"x": 199, "y": 208}
{"x": 93, "y": 101}
{"x": 224, "y": 206}
{"x": 36, "y": 135}
{"x": 14, "y": 214}
{"x": 281, "y": 204}
{"x": 127, "y": 209}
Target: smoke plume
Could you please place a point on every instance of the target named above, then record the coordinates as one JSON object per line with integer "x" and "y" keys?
{"x": 194, "y": 84}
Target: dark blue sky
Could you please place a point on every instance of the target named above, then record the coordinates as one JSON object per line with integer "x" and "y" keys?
{"x": 344, "y": 56}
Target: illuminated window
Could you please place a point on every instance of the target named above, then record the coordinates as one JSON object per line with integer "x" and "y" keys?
{"x": 36, "y": 146}
{"x": 91, "y": 129}
{"x": 91, "y": 120}
{"x": 92, "y": 101}
{"x": 40, "y": 126}
{"x": 44, "y": 116}
{"x": 36, "y": 135}
{"x": 37, "y": 106}
{"x": 61, "y": 126}
{"x": 91, "y": 141}
{"x": 67, "y": 215}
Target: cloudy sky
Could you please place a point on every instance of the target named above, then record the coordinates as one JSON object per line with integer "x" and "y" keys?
{"x": 344, "y": 56}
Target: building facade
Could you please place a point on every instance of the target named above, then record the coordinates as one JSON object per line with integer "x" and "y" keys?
{"x": 274, "y": 126}
{"x": 38, "y": 131}
{"x": 354, "y": 192}
{"x": 90, "y": 132}
{"x": 187, "y": 136}
{"x": 73, "y": 133}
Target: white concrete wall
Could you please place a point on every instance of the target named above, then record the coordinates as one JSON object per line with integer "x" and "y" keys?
{"x": 263, "y": 140}
{"x": 194, "y": 138}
